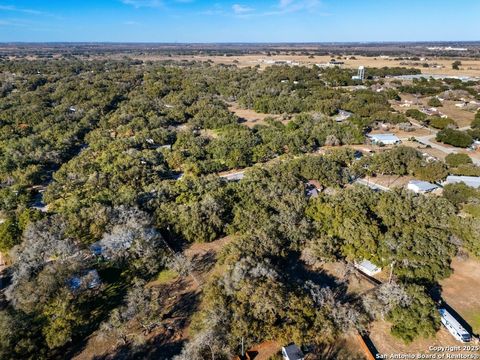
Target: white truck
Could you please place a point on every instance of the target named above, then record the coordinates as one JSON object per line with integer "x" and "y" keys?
{"x": 454, "y": 327}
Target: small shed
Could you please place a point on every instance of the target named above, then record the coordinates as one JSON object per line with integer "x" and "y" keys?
{"x": 234, "y": 177}
{"x": 368, "y": 267}
{"x": 385, "y": 139}
{"x": 312, "y": 188}
{"x": 292, "y": 352}
{"x": 342, "y": 115}
{"x": 421, "y": 187}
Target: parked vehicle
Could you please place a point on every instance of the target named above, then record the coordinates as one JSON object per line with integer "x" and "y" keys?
{"x": 454, "y": 327}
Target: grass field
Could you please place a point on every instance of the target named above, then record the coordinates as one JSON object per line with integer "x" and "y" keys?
{"x": 249, "y": 117}
{"x": 468, "y": 68}
{"x": 462, "y": 291}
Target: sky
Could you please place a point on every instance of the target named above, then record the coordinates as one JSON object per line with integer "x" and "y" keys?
{"x": 201, "y": 21}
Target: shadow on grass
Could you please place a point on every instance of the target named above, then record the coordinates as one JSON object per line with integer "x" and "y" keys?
{"x": 156, "y": 349}
{"x": 298, "y": 271}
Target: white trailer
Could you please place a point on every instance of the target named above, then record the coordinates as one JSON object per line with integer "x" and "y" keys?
{"x": 367, "y": 267}
{"x": 454, "y": 327}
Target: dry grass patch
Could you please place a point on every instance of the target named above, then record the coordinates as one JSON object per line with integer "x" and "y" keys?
{"x": 462, "y": 291}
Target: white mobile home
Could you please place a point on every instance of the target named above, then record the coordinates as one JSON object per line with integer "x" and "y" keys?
{"x": 454, "y": 327}
{"x": 472, "y": 181}
{"x": 385, "y": 139}
{"x": 421, "y": 187}
{"x": 368, "y": 267}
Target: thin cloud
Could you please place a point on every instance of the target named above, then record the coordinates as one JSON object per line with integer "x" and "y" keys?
{"x": 22, "y": 10}
{"x": 285, "y": 3}
{"x": 241, "y": 9}
{"x": 291, "y": 6}
{"x": 143, "y": 3}
{"x": 16, "y": 23}
{"x": 283, "y": 7}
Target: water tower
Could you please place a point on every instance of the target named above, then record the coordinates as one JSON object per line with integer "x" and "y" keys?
{"x": 360, "y": 75}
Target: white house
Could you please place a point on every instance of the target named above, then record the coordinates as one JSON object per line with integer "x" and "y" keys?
{"x": 385, "y": 139}
{"x": 292, "y": 352}
{"x": 421, "y": 187}
{"x": 472, "y": 181}
{"x": 367, "y": 267}
{"x": 342, "y": 115}
{"x": 454, "y": 327}
{"x": 234, "y": 177}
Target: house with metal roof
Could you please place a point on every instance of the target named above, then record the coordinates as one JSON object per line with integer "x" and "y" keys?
{"x": 384, "y": 139}
{"x": 421, "y": 187}
{"x": 234, "y": 177}
{"x": 342, "y": 115}
{"x": 472, "y": 181}
{"x": 292, "y": 352}
{"x": 367, "y": 267}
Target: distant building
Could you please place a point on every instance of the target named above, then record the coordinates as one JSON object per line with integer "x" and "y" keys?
{"x": 421, "y": 187}
{"x": 368, "y": 267}
{"x": 89, "y": 280}
{"x": 472, "y": 181}
{"x": 234, "y": 177}
{"x": 325, "y": 65}
{"x": 312, "y": 188}
{"x": 385, "y": 139}
{"x": 292, "y": 352}
{"x": 342, "y": 115}
{"x": 475, "y": 145}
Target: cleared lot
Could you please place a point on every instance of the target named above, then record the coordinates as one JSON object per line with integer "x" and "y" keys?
{"x": 462, "y": 291}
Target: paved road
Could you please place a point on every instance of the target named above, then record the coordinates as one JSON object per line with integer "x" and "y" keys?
{"x": 427, "y": 140}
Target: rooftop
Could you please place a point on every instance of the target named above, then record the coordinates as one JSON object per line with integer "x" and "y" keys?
{"x": 384, "y": 137}
{"x": 423, "y": 186}
{"x": 293, "y": 352}
{"x": 368, "y": 265}
{"x": 473, "y": 181}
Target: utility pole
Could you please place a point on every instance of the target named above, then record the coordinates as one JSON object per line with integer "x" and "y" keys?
{"x": 391, "y": 272}
{"x": 243, "y": 350}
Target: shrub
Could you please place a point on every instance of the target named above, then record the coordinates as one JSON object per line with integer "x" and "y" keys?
{"x": 433, "y": 171}
{"x": 474, "y": 133}
{"x": 416, "y": 114}
{"x": 476, "y": 121}
{"x": 466, "y": 170}
{"x": 459, "y": 193}
{"x": 440, "y": 123}
{"x": 455, "y": 138}
{"x": 458, "y": 159}
{"x": 434, "y": 102}
{"x": 456, "y": 65}
{"x": 419, "y": 319}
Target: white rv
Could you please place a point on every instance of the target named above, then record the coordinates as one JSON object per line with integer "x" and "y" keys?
{"x": 454, "y": 327}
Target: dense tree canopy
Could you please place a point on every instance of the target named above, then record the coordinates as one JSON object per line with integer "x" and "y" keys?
{"x": 109, "y": 170}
